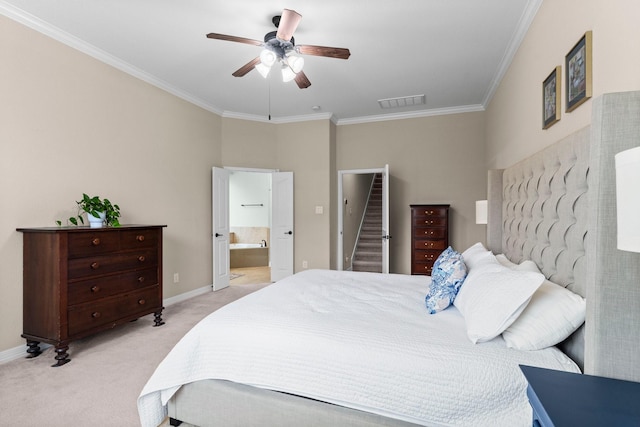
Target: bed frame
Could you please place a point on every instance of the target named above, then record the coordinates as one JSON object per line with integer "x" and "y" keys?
{"x": 556, "y": 208}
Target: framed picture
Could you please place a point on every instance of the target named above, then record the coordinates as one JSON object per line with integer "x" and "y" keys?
{"x": 551, "y": 96}
{"x": 578, "y": 72}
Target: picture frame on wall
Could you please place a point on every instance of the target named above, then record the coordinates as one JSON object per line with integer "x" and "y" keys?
{"x": 551, "y": 97}
{"x": 578, "y": 72}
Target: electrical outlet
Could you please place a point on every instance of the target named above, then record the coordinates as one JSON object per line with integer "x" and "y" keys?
{"x": 305, "y": 264}
{"x": 176, "y": 278}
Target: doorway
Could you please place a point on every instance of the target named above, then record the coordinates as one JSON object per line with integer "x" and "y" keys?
{"x": 272, "y": 241}
{"x": 353, "y": 191}
{"x": 249, "y": 227}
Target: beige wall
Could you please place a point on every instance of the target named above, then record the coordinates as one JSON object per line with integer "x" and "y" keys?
{"x": 514, "y": 116}
{"x": 436, "y": 159}
{"x": 70, "y": 124}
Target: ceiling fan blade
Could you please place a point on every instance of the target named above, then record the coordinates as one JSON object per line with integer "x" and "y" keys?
{"x": 246, "y": 67}
{"x": 288, "y": 23}
{"x": 302, "y": 80}
{"x": 331, "y": 52}
{"x": 234, "y": 39}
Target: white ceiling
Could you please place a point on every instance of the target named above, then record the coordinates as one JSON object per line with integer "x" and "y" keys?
{"x": 453, "y": 51}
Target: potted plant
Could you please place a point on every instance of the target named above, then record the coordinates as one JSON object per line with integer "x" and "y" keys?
{"x": 99, "y": 211}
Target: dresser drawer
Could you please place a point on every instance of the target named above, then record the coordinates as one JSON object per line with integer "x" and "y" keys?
{"x": 88, "y": 316}
{"x": 429, "y": 221}
{"x": 98, "y": 265}
{"x": 426, "y": 255}
{"x": 420, "y": 268}
{"x": 429, "y": 244}
{"x": 105, "y": 286}
{"x": 430, "y": 212}
{"x": 429, "y": 232}
{"x": 92, "y": 243}
{"x": 143, "y": 238}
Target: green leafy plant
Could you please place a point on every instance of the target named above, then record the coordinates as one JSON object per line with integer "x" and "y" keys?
{"x": 93, "y": 206}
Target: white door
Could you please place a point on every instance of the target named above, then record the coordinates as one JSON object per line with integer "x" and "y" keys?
{"x": 385, "y": 220}
{"x": 220, "y": 227}
{"x": 281, "y": 254}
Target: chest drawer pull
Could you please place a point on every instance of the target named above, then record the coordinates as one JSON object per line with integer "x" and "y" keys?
{"x": 140, "y": 238}
{"x": 140, "y": 279}
{"x": 95, "y": 265}
{"x": 95, "y": 314}
{"x": 428, "y": 212}
{"x": 429, "y": 233}
{"x": 429, "y": 244}
{"x": 95, "y": 289}
{"x": 141, "y": 258}
{"x": 141, "y": 301}
{"x": 429, "y": 222}
{"x": 429, "y": 257}
{"x": 95, "y": 241}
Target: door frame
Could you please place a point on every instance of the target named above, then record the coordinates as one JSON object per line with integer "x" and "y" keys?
{"x": 385, "y": 188}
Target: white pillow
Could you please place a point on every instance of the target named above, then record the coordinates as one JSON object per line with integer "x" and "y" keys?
{"x": 551, "y": 316}
{"x": 526, "y": 265}
{"x": 492, "y": 297}
{"x": 476, "y": 255}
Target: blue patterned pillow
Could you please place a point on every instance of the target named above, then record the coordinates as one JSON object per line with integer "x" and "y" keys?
{"x": 447, "y": 275}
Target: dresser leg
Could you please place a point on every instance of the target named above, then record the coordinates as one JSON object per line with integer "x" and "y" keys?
{"x": 33, "y": 349}
{"x": 62, "y": 357}
{"x": 158, "y": 318}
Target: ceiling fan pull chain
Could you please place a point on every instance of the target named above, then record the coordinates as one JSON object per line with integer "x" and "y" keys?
{"x": 269, "y": 100}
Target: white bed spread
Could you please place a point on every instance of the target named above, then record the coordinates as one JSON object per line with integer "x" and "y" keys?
{"x": 360, "y": 340}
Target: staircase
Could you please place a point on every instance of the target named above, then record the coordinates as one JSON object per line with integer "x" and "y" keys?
{"x": 368, "y": 253}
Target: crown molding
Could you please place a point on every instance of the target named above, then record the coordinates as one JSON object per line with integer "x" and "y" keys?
{"x": 412, "y": 114}
{"x": 518, "y": 36}
{"x": 63, "y": 37}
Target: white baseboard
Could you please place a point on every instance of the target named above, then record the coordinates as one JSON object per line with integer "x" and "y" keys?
{"x": 187, "y": 295}
{"x": 18, "y": 352}
{"x": 21, "y": 351}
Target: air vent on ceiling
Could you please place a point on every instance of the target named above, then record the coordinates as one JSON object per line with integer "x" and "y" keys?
{"x": 403, "y": 101}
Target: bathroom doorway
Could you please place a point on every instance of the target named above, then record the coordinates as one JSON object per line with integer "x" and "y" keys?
{"x": 250, "y": 227}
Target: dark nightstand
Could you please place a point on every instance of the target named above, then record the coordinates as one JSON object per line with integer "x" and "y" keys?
{"x": 567, "y": 399}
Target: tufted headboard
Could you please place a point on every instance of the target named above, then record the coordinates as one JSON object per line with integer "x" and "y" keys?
{"x": 558, "y": 209}
{"x": 543, "y": 203}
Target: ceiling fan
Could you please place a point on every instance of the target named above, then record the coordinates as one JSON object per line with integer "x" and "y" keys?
{"x": 279, "y": 47}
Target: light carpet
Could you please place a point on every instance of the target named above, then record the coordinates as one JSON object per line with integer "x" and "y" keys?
{"x": 101, "y": 384}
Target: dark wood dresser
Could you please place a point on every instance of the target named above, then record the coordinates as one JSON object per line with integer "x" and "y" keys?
{"x": 429, "y": 236}
{"x": 79, "y": 280}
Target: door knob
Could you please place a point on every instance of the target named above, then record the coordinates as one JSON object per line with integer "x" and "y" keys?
{"x": 218, "y": 235}
{"x": 288, "y": 232}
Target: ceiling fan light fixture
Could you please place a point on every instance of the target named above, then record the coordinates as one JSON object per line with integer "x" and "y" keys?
{"x": 268, "y": 57}
{"x": 287, "y": 74}
{"x": 263, "y": 69}
{"x": 295, "y": 62}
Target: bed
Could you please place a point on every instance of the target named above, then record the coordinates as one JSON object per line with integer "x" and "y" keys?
{"x": 378, "y": 356}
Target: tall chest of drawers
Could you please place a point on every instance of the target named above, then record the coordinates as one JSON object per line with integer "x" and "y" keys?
{"x": 429, "y": 236}
{"x": 78, "y": 281}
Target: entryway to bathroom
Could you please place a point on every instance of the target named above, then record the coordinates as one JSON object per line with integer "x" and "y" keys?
{"x": 252, "y": 226}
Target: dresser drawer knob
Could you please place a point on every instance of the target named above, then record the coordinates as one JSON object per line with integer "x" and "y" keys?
{"x": 95, "y": 289}
{"x": 429, "y": 233}
{"x": 428, "y": 212}
{"x": 430, "y": 244}
{"x": 95, "y": 241}
{"x": 140, "y": 238}
{"x": 95, "y": 265}
{"x": 429, "y": 222}
{"x": 140, "y": 279}
{"x": 141, "y": 301}
{"x": 429, "y": 257}
{"x": 95, "y": 314}
{"x": 141, "y": 258}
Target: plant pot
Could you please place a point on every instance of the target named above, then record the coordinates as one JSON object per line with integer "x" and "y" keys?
{"x": 96, "y": 222}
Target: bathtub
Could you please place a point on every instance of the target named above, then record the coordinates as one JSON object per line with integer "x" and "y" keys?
{"x": 233, "y": 246}
{"x": 248, "y": 255}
